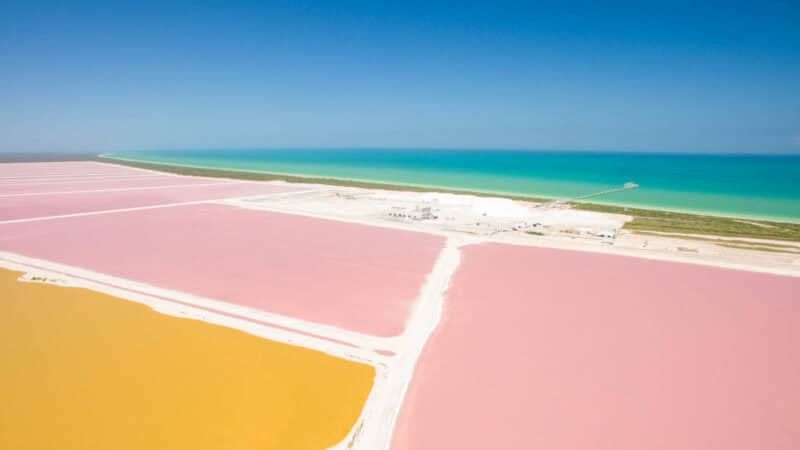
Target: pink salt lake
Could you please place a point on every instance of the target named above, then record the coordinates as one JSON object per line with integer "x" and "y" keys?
{"x": 34, "y": 190}
{"x": 29, "y": 188}
{"x": 548, "y": 349}
{"x": 12, "y": 208}
{"x": 62, "y": 169}
{"x": 356, "y": 277}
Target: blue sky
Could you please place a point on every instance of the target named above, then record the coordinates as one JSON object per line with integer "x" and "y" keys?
{"x": 643, "y": 76}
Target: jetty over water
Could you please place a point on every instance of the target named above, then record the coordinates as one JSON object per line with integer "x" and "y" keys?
{"x": 627, "y": 186}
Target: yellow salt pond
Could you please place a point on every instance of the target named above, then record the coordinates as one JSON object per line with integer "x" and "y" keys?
{"x": 83, "y": 370}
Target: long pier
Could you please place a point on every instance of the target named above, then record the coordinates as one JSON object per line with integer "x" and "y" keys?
{"x": 627, "y": 186}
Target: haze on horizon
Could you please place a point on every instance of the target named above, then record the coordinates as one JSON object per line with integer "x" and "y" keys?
{"x": 672, "y": 76}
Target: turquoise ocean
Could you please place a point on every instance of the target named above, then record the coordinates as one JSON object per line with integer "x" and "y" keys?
{"x": 753, "y": 186}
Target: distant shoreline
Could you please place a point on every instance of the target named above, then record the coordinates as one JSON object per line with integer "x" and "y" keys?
{"x": 600, "y": 206}
{"x": 645, "y": 220}
{"x": 749, "y": 187}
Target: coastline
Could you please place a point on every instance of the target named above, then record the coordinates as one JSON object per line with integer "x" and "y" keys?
{"x": 708, "y": 185}
{"x": 644, "y": 219}
{"x": 300, "y": 178}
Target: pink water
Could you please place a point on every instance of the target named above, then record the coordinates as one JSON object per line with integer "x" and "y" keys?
{"x": 43, "y": 206}
{"x": 548, "y": 349}
{"x": 58, "y": 186}
{"x": 62, "y": 169}
{"x": 352, "y": 276}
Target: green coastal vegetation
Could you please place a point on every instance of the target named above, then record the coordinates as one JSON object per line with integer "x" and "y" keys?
{"x": 732, "y": 243}
{"x": 648, "y": 220}
{"x": 264, "y": 176}
{"x": 726, "y": 241}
